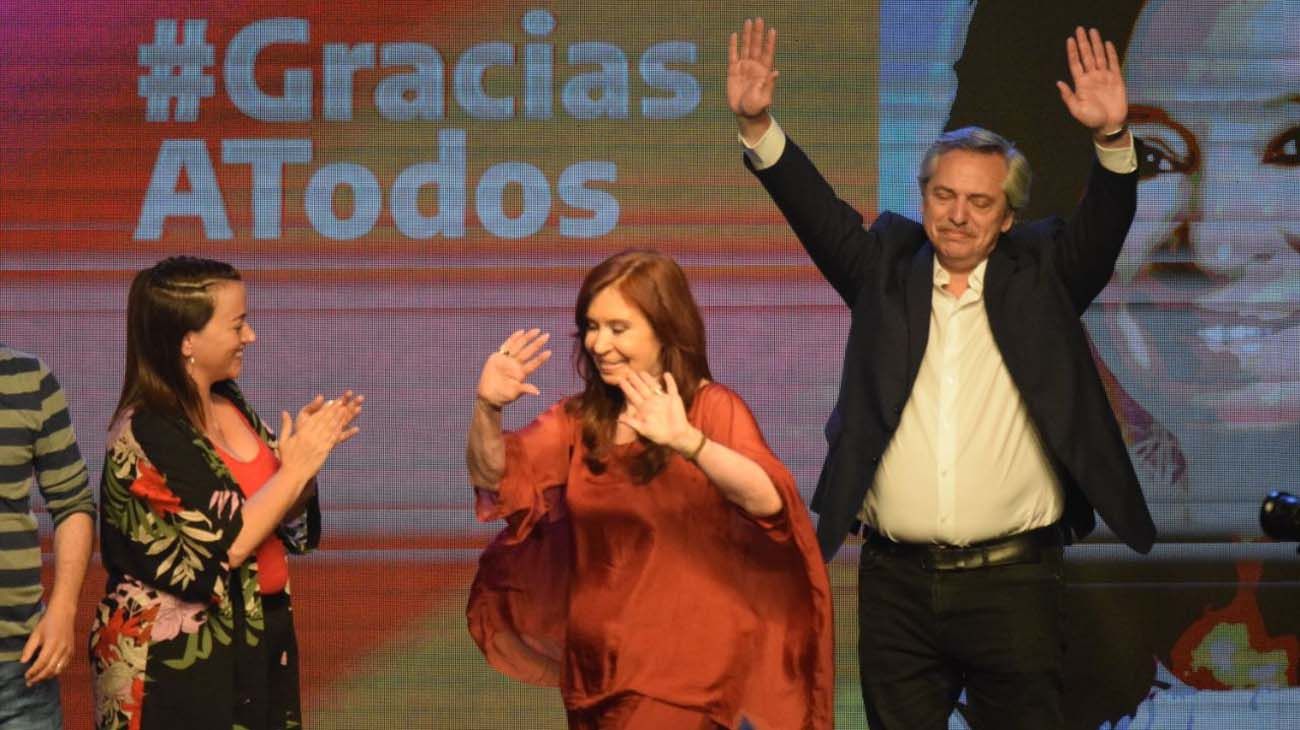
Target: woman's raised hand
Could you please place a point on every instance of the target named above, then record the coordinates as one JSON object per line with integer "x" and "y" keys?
{"x": 656, "y": 412}
{"x": 505, "y": 373}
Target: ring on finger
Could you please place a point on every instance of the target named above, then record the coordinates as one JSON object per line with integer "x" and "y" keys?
{"x": 505, "y": 351}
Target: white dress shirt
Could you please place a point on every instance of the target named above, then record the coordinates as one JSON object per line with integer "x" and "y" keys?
{"x": 966, "y": 463}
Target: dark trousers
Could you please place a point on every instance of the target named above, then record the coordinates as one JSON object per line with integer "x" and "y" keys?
{"x": 278, "y": 705}
{"x": 926, "y": 634}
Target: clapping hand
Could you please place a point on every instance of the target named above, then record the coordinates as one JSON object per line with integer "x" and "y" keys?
{"x": 505, "y": 374}
{"x": 350, "y": 402}
{"x": 656, "y": 412}
{"x": 1098, "y": 100}
{"x": 307, "y": 440}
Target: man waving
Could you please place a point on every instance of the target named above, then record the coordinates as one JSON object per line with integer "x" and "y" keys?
{"x": 971, "y": 438}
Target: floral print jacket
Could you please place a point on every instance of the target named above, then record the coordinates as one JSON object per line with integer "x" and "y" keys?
{"x": 175, "y": 643}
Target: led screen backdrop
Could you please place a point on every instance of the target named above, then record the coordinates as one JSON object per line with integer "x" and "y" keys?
{"x": 404, "y": 184}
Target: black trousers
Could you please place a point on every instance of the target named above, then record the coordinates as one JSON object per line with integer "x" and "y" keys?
{"x": 273, "y": 703}
{"x": 925, "y": 635}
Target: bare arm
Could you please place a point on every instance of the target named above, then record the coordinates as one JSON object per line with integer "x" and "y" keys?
{"x": 300, "y": 504}
{"x": 741, "y": 481}
{"x": 54, "y": 635}
{"x": 502, "y": 382}
{"x": 303, "y": 451}
{"x": 265, "y": 510}
{"x": 658, "y": 414}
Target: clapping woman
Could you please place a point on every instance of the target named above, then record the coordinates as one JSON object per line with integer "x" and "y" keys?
{"x": 199, "y": 504}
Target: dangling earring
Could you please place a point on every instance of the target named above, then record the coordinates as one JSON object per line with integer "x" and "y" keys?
{"x": 191, "y": 361}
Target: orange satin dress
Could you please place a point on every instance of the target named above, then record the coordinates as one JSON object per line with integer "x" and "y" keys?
{"x": 664, "y": 590}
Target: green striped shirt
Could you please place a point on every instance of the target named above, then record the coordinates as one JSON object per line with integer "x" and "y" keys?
{"x": 36, "y": 440}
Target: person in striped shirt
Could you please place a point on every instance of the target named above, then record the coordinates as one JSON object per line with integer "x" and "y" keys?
{"x": 36, "y": 439}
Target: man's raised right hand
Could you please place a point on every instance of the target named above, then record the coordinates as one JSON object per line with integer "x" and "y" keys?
{"x": 751, "y": 77}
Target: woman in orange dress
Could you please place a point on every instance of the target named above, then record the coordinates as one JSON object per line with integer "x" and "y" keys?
{"x": 657, "y": 562}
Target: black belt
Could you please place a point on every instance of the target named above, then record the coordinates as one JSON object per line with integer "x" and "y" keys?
{"x": 1024, "y": 547}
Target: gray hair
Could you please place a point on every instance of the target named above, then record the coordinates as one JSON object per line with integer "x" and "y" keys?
{"x": 977, "y": 139}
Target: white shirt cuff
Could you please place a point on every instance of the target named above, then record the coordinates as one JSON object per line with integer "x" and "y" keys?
{"x": 1119, "y": 160}
{"x": 768, "y": 149}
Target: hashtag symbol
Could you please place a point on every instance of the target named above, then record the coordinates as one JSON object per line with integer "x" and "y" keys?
{"x": 188, "y": 59}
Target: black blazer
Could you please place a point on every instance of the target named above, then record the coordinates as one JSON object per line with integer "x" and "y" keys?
{"x": 1040, "y": 278}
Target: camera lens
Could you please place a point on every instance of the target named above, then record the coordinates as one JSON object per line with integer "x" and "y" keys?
{"x": 1280, "y": 516}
